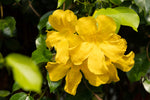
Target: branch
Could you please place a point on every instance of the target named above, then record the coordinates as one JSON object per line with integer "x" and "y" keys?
{"x": 64, "y": 6}
{"x": 1, "y": 7}
{"x": 30, "y": 5}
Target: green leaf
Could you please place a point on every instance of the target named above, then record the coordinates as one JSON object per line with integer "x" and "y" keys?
{"x": 15, "y": 87}
{"x": 121, "y": 15}
{"x": 8, "y": 26}
{"x": 144, "y": 4}
{"x": 40, "y": 41}
{"x": 140, "y": 68}
{"x": 21, "y": 96}
{"x": 116, "y": 2}
{"x": 4, "y": 93}
{"x": 48, "y": 26}
{"x": 53, "y": 85}
{"x": 29, "y": 98}
{"x": 41, "y": 55}
{"x": 25, "y": 72}
{"x": 60, "y": 2}
{"x": 43, "y": 20}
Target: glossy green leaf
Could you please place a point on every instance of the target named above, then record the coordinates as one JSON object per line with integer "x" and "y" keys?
{"x": 121, "y": 15}
{"x": 40, "y": 41}
{"x": 43, "y": 20}
{"x": 21, "y": 96}
{"x": 4, "y": 93}
{"x": 41, "y": 55}
{"x": 8, "y": 26}
{"x": 60, "y": 2}
{"x": 15, "y": 87}
{"x": 146, "y": 84}
{"x": 48, "y": 26}
{"x": 140, "y": 68}
{"x": 25, "y": 72}
{"x": 144, "y": 4}
{"x": 53, "y": 85}
{"x": 116, "y": 2}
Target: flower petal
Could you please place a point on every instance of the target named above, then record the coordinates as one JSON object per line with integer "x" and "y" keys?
{"x": 57, "y": 71}
{"x": 56, "y": 19}
{"x": 80, "y": 53}
{"x": 95, "y": 80}
{"x": 86, "y": 26}
{"x": 73, "y": 78}
{"x": 62, "y": 20}
{"x": 53, "y": 38}
{"x": 113, "y": 75}
{"x": 126, "y": 62}
{"x": 106, "y": 26}
{"x": 114, "y": 49}
{"x": 96, "y": 61}
{"x": 62, "y": 49}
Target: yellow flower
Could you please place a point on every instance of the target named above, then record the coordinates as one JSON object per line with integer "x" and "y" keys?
{"x": 97, "y": 56}
{"x": 73, "y": 75}
{"x": 63, "y": 38}
{"x": 100, "y": 43}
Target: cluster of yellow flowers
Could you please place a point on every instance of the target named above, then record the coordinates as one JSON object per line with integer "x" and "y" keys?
{"x": 87, "y": 45}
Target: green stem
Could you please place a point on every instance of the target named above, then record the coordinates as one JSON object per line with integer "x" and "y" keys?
{"x": 42, "y": 94}
{"x": 97, "y": 97}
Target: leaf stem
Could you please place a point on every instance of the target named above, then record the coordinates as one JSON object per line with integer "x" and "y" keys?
{"x": 1, "y": 7}
{"x": 98, "y": 98}
{"x": 42, "y": 94}
{"x": 30, "y": 5}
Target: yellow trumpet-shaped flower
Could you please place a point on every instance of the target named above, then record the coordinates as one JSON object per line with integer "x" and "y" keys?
{"x": 97, "y": 51}
{"x": 100, "y": 43}
{"x": 63, "y": 38}
{"x": 73, "y": 75}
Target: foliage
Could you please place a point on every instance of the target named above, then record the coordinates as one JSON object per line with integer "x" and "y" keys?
{"x": 24, "y": 54}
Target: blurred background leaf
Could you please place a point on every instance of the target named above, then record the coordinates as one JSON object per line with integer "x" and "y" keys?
{"x": 140, "y": 68}
{"x": 25, "y": 72}
{"x": 8, "y": 26}
{"x": 4, "y": 93}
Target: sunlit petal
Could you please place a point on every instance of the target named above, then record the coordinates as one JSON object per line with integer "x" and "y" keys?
{"x": 53, "y": 38}
{"x": 57, "y": 71}
{"x": 56, "y": 20}
{"x": 86, "y": 26}
{"x": 73, "y": 78}
{"x": 126, "y": 62}
{"x": 62, "y": 20}
{"x": 62, "y": 51}
{"x": 114, "y": 49}
{"x": 95, "y": 80}
{"x": 96, "y": 61}
{"x": 80, "y": 53}
{"x": 106, "y": 26}
{"x": 112, "y": 73}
